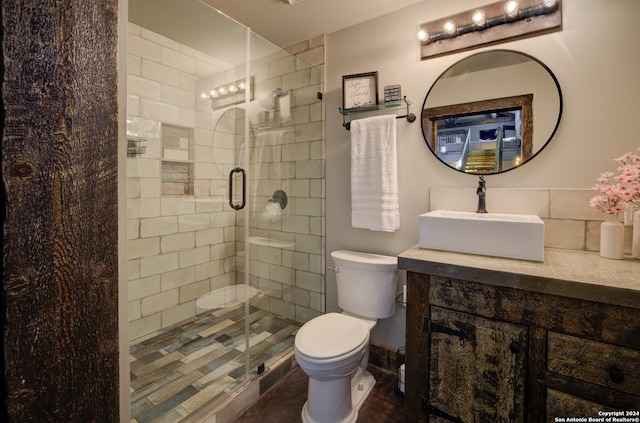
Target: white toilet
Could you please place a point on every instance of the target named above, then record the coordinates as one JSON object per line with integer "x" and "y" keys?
{"x": 333, "y": 349}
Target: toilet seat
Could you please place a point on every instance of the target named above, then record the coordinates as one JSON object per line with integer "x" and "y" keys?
{"x": 330, "y": 337}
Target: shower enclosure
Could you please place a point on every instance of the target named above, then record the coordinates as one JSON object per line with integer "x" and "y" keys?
{"x": 224, "y": 206}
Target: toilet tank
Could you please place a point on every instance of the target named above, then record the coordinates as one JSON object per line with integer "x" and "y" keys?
{"x": 367, "y": 283}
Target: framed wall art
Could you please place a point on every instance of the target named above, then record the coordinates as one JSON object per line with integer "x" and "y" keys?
{"x": 359, "y": 90}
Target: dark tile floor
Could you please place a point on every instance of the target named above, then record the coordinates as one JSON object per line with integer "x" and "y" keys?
{"x": 283, "y": 403}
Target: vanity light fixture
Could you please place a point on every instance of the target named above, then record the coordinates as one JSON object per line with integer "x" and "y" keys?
{"x": 511, "y": 10}
{"x": 221, "y": 91}
{"x": 227, "y": 94}
{"x": 479, "y": 18}
{"x": 496, "y": 21}
{"x": 450, "y": 28}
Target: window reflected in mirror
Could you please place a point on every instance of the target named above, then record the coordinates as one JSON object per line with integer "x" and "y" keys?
{"x": 482, "y": 137}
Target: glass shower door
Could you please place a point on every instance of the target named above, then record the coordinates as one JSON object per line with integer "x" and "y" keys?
{"x": 280, "y": 231}
{"x": 224, "y": 206}
{"x": 186, "y": 318}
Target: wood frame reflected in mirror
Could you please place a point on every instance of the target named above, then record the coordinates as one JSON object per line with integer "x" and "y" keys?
{"x": 430, "y": 117}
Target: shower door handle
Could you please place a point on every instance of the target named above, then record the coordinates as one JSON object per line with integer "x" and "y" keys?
{"x": 244, "y": 186}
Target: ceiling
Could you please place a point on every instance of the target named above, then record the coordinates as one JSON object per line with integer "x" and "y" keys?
{"x": 198, "y": 23}
{"x": 284, "y": 24}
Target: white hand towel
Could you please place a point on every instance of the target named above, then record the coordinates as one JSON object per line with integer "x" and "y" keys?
{"x": 374, "y": 174}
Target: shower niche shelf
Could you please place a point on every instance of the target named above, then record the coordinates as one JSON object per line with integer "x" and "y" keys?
{"x": 380, "y": 106}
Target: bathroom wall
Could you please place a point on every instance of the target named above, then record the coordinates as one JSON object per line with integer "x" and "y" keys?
{"x": 594, "y": 57}
{"x": 178, "y": 246}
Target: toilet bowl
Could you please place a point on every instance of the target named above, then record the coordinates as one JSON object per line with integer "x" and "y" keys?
{"x": 333, "y": 349}
{"x": 330, "y": 350}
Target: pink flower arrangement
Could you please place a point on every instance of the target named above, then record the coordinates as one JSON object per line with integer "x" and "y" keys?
{"x": 617, "y": 192}
{"x": 629, "y": 178}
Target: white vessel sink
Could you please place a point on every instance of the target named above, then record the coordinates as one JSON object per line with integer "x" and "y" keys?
{"x": 519, "y": 236}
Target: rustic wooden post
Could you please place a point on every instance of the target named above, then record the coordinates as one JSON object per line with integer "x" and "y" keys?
{"x": 59, "y": 167}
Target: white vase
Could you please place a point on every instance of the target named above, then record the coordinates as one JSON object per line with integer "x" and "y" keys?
{"x": 612, "y": 238}
{"x": 635, "y": 240}
{"x": 628, "y": 216}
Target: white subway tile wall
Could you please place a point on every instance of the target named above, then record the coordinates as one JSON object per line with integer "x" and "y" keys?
{"x": 181, "y": 247}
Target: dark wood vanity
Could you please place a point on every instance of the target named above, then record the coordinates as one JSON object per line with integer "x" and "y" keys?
{"x": 501, "y": 340}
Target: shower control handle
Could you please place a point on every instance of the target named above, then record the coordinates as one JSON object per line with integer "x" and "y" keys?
{"x": 334, "y": 269}
{"x": 244, "y": 186}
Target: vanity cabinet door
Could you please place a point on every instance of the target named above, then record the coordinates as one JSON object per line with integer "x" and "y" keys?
{"x": 595, "y": 371}
{"x": 561, "y": 405}
{"x": 477, "y": 369}
{"x": 594, "y": 362}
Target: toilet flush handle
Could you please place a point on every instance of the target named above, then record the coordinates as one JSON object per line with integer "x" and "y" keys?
{"x": 335, "y": 269}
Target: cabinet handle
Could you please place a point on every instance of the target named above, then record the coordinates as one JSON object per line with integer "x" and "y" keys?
{"x": 514, "y": 347}
{"x": 616, "y": 374}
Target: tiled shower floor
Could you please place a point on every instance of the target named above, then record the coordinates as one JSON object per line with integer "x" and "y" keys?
{"x": 184, "y": 371}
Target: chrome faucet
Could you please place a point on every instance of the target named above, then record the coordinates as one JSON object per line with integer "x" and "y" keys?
{"x": 481, "y": 192}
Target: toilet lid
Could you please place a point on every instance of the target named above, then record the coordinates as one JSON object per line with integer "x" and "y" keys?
{"x": 331, "y": 335}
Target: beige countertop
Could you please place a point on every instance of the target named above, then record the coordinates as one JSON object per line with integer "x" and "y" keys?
{"x": 569, "y": 273}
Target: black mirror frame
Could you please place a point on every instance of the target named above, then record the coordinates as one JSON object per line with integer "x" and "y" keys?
{"x": 555, "y": 128}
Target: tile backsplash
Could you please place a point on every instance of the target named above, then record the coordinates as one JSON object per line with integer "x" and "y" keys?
{"x": 569, "y": 221}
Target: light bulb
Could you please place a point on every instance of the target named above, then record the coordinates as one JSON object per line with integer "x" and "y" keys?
{"x": 423, "y": 35}
{"x": 241, "y": 86}
{"x": 204, "y": 95}
{"x": 233, "y": 89}
{"x": 213, "y": 93}
{"x": 449, "y": 27}
{"x": 511, "y": 8}
{"x": 222, "y": 90}
{"x": 479, "y": 18}
{"x": 549, "y": 3}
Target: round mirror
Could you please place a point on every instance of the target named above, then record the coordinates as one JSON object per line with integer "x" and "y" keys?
{"x": 491, "y": 112}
